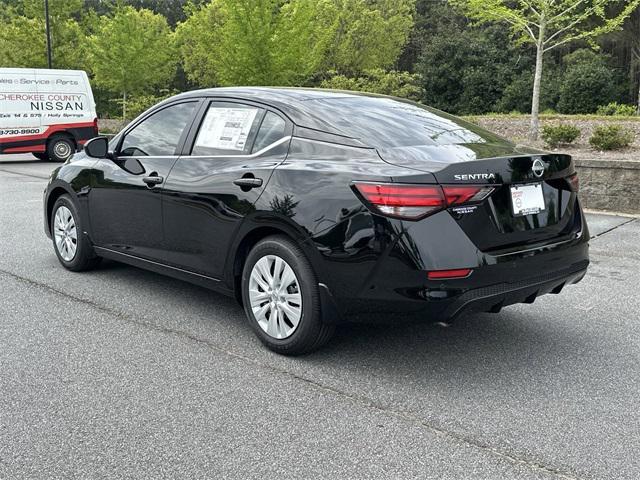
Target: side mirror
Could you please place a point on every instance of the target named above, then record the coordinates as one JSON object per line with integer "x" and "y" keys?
{"x": 97, "y": 147}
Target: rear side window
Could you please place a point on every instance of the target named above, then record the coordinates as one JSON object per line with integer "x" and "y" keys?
{"x": 159, "y": 134}
{"x": 227, "y": 129}
{"x": 388, "y": 123}
{"x": 271, "y": 130}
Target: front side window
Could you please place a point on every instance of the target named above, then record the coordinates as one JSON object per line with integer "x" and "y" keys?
{"x": 227, "y": 129}
{"x": 271, "y": 130}
{"x": 159, "y": 134}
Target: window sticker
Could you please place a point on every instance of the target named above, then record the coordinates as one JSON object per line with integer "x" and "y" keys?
{"x": 226, "y": 128}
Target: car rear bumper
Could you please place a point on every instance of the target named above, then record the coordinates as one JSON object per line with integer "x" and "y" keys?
{"x": 396, "y": 290}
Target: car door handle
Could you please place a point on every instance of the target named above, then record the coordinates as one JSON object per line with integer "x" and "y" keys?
{"x": 152, "y": 180}
{"x": 248, "y": 182}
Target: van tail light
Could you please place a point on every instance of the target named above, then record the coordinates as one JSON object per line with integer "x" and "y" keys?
{"x": 415, "y": 201}
{"x": 574, "y": 182}
{"x": 95, "y": 124}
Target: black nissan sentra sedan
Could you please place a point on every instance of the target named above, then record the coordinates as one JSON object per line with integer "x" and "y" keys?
{"x": 316, "y": 207}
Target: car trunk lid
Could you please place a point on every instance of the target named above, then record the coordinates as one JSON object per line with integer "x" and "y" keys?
{"x": 496, "y": 224}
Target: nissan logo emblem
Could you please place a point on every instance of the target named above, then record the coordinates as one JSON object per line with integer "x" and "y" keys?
{"x": 538, "y": 168}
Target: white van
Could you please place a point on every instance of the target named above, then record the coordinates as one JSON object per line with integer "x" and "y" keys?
{"x": 49, "y": 113}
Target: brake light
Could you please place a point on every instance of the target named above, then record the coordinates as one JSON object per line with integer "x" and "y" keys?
{"x": 414, "y": 201}
{"x": 449, "y": 274}
{"x": 95, "y": 124}
{"x": 574, "y": 182}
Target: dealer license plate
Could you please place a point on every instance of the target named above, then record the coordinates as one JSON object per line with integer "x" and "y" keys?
{"x": 527, "y": 199}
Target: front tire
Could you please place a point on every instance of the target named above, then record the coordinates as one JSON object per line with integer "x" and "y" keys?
{"x": 281, "y": 298}
{"x": 60, "y": 148}
{"x": 72, "y": 247}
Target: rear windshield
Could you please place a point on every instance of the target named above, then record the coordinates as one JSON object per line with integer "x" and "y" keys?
{"x": 387, "y": 123}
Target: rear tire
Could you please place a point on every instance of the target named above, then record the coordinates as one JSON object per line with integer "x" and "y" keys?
{"x": 72, "y": 247}
{"x": 60, "y": 148}
{"x": 41, "y": 156}
{"x": 281, "y": 298}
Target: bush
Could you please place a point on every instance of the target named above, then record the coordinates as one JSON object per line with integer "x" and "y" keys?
{"x": 615, "y": 108}
{"x": 397, "y": 84}
{"x": 611, "y": 137}
{"x": 517, "y": 94}
{"x": 554, "y": 135}
{"x": 588, "y": 82}
{"x": 465, "y": 70}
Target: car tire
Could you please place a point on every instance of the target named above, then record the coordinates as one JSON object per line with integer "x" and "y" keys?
{"x": 60, "y": 148}
{"x": 41, "y": 156}
{"x": 270, "y": 305}
{"x": 72, "y": 247}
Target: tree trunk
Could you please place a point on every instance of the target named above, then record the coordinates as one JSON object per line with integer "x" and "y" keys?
{"x": 534, "y": 128}
{"x": 124, "y": 106}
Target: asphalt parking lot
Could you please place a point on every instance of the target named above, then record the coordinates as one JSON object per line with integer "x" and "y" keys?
{"x": 125, "y": 373}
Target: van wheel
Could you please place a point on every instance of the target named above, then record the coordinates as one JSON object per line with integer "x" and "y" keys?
{"x": 60, "y": 148}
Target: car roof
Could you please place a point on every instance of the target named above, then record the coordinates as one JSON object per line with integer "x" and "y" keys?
{"x": 295, "y": 102}
{"x": 358, "y": 118}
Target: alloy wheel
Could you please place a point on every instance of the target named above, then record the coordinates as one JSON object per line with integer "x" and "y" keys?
{"x": 274, "y": 294}
{"x": 65, "y": 233}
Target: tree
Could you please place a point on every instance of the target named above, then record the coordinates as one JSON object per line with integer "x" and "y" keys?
{"x": 22, "y": 36}
{"x": 549, "y": 24}
{"x": 275, "y": 42}
{"x": 629, "y": 36}
{"x": 251, "y": 42}
{"x": 132, "y": 53}
{"x": 365, "y": 35}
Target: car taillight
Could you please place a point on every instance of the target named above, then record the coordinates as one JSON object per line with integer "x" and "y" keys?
{"x": 415, "y": 201}
{"x": 574, "y": 182}
{"x": 457, "y": 195}
{"x": 95, "y": 124}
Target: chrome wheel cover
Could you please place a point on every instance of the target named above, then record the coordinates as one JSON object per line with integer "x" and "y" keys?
{"x": 275, "y": 298}
{"x": 65, "y": 233}
{"x": 62, "y": 149}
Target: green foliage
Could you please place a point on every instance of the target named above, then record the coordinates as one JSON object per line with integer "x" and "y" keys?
{"x": 198, "y": 40}
{"x": 140, "y": 103}
{"x": 251, "y": 42}
{"x": 397, "y": 84}
{"x": 365, "y": 35}
{"x": 554, "y": 135}
{"x": 516, "y": 96}
{"x": 466, "y": 70}
{"x": 587, "y": 83}
{"x": 270, "y": 42}
{"x": 132, "y": 53}
{"x": 617, "y": 109}
{"x": 563, "y": 21}
{"x": 23, "y": 39}
{"x": 548, "y": 24}
{"x": 454, "y": 54}
{"x": 611, "y": 137}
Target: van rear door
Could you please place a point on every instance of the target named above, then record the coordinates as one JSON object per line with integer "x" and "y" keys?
{"x": 19, "y": 125}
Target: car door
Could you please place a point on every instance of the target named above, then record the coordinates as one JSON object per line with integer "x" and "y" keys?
{"x": 125, "y": 202}
{"x": 216, "y": 183}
